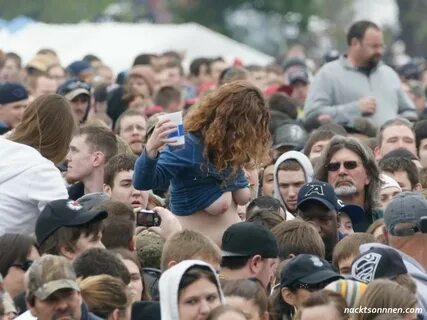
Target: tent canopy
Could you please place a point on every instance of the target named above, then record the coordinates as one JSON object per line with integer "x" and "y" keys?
{"x": 117, "y": 44}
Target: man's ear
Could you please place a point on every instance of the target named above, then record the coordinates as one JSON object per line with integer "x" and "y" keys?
{"x": 255, "y": 264}
{"x": 385, "y": 234}
{"x": 418, "y": 187}
{"x": 67, "y": 252}
{"x": 171, "y": 264}
{"x": 107, "y": 189}
{"x": 377, "y": 153}
{"x": 288, "y": 296}
{"x": 132, "y": 244}
{"x": 98, "y": 159}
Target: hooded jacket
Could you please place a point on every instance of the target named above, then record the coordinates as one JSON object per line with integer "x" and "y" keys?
{"x": 28, "y": 181}
{"x": 308, "y": 174}
{"x": 169, "y": 284}
{"x": 415, "y": 270}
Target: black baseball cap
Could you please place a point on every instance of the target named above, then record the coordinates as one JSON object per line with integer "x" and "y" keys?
{"x": 318, "y": 191}
{"x": 377, "y": 263}
{"x": 307, "y": 269}
{"x": 324, "y": 193}
{"x": 63, "y": 213}
{"x": 245, "y": 239}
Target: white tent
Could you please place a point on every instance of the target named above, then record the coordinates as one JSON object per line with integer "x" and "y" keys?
{"x": 117, "y": 44}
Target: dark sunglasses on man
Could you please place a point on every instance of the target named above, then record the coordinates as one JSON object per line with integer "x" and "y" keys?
{"x": 335, "y": 166}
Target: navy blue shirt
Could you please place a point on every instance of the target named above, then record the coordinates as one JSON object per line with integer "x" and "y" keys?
{"x": 193, "y": 184}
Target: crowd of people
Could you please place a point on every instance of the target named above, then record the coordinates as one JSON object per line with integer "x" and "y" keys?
{"x": 287, "y": 191}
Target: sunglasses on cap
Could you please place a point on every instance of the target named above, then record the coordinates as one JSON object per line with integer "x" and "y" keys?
{"x": 73, "y": 85}
{"x": 24, "y": 266}
{"x": 335, "y": 166}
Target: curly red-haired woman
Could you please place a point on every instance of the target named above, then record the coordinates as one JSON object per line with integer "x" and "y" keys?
{"x": 226, "y": 132}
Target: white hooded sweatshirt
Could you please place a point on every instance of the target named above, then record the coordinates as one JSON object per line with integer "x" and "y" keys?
{"x": 308, "y": 174}
{"x": 28, "y": 181}
{"x": 169, "y": 284}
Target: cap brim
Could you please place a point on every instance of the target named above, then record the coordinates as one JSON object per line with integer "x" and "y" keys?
{"x": 326, "y": 203}
{"x": 354, "y": 212}
{"x": 51, "y": 287}
{"x": 87, "y": 217}
{"x": 321, "y": 276}
{"x": 300, "y": 79}
{"x": 233, "y": 254}
{"x": 72, "y": 94}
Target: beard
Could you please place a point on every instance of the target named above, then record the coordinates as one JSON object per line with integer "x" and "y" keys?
{"x": 373, "y": 61}
{"x": 345, "y": 191}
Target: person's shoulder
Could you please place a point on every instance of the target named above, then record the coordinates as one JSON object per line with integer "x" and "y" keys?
{"x": 26, "y": 316}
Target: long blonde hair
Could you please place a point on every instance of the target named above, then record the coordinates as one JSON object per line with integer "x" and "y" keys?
{"x": 48, "y": 126}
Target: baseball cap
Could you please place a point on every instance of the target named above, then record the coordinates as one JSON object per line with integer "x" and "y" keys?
{"x": 298, "y": 74}
{"x": 49, "y": 274}
{"x": 63, "y": 213}
{"x": 290, "y": 135}
{"x": 377, "y": 263}
{"x": 72, "y": 88}
{"x": 307, "y": 269}
{"x": 77, "y": 67}
{"x": 324, "y": 193}
{"x": 12, "y": 92}
{"x": 245, "y": 239}
{"x": 406, "y": 207}
{"x": 318, "y": 191}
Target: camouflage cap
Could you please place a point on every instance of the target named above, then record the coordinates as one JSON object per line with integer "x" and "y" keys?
{"x": 49, "y": 274}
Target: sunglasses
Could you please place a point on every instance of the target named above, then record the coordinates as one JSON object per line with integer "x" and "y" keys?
{"x": 24, "y": 266}
{"x": 335, "y": 166}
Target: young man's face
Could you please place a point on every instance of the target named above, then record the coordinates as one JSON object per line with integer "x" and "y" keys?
{"x": 398, "y": 136}
{"x": 317, "y": 148}
{"x": 422, "y": 153}
{"x": 402, "y": 179}
{"x": 268, "y": 181}
{"x": 387, "y": 194}
{"x": 79, "y": 106}
{"x": 290, "y": 182}
{"x": 346, "y": 226}
{"x": 86, "y": 242}
{"x": 63, "y": 304}
{"x": 132, "y": 131}
{"x": 80, "y": 159}
{"x": 45, "y": 85}
{"x": 123, "y": 191}
{"x": 11, "y": 113}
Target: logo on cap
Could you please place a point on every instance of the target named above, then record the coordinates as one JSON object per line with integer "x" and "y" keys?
{"x": 364, "y": 269}
{"x": 315, "y": 189}
{"x": 74, "y": 205}
{"x": 316, "y": 261}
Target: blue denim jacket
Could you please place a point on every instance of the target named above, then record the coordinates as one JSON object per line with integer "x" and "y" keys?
{"x": 194, "y": 186}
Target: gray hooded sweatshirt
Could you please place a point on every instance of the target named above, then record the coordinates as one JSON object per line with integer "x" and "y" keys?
{"x": 308, "y": 173}
{"x": 169, "y": 284}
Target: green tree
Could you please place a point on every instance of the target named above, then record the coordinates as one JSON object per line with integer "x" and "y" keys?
{"x": 212, "y": 13}
{"x": 54, "y": 11}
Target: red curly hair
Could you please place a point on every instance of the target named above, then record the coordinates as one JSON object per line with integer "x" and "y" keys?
{"x": 233, "y": 122}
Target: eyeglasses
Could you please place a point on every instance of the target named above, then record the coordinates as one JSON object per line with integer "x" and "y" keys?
{"x": 24, "y": 266}
{"x": 335, "y": 166}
